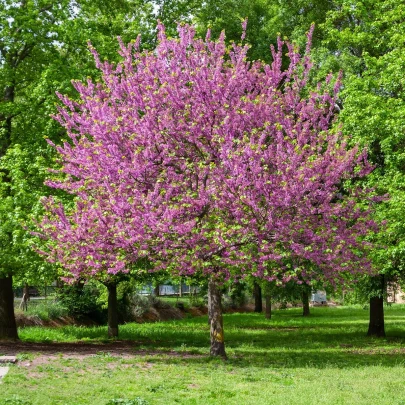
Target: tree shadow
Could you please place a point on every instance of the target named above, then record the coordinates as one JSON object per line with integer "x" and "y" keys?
{"x": 251, "y": 340}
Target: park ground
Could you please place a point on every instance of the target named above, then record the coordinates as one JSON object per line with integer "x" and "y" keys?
{"x": 323, "y": 359}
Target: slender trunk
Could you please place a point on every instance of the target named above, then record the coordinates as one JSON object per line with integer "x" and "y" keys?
{"x": 157, "y": 293}
{"x": 181, "y": 290}
{"x": 216, "y": 321}
{"x": 8, "y": 326}
{"x": 26, "y": 291}
{"x": 305, "y": 302}
{"x": 25, "y": 298}
{"x": 257, "y": 291}
{"x": 376, "y": 326}
{"x": 112, "y": 310}
{"x": 268, "y": 306}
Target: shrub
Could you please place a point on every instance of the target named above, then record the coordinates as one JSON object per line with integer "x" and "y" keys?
{"x": 45, "y": 309}
{"x": 137, "y": 305}
{"x": 80, "y": 300}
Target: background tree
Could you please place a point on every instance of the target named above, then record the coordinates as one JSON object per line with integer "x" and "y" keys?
{"x": 43, "y": 46}
{"x": 365, "y": 39}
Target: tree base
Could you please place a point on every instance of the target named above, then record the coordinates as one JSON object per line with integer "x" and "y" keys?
{"x": 376, "y": 326}
{"x": 216, "y": 321}
{"x": 218, "y": 350}
{"x": 112, "y": 332}
{"x": 8, "y": 326}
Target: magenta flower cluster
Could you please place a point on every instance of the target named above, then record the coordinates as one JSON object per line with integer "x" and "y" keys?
{"x": 205, "y": 162}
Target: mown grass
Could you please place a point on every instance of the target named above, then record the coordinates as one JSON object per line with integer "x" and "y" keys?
{"x": 325, "y": 358}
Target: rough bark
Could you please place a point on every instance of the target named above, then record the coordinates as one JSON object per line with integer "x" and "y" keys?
{"x": 305, "y": 303}
{"x": 257, "y": 291}
{"x": 8, "y": 326}
{"x": 268, "y": 306}
{"x": 376, "y": 326}
{"x": 216, "y": 321}
{"x": 112, "y": 310}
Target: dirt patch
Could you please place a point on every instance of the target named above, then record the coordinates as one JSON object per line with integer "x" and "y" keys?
{"x": 33, "y": 320}
{"x": 35, "y": 356}
{"x": 198, "y": 311}
{"x": 166, "y": 313}
{"x": 122, "y": 349}
{"x": 71, "y": 349}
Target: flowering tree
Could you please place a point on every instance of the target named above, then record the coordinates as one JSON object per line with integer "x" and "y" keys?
{"x": 86, "y": 242}
{"x": 206, "y": 162}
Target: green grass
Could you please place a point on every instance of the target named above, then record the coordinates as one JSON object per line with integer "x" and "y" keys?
{"x": 323, "y": 359}
{"x": 44, "y": 309}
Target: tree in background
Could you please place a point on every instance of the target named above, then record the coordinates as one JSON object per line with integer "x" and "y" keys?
{"x": 43, "y": 46}
{"x": 363, "y": 39}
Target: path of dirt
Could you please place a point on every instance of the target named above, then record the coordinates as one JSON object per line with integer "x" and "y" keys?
{"x": 45, "y": 352}
{"x": 117, "y": 348}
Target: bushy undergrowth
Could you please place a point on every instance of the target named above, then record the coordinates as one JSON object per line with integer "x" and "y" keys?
{"x": 135, "y": 306}
{"x": 45, "y": 309}
{"x": 81, "y": 301}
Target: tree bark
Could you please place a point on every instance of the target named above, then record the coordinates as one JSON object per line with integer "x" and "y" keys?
{"x": 268, "y": 306}
{"x": 376, "y": 325}
{"x": 112, "y": 310}
{"x": 8, "y": 326}
{"x": 305, "y": 302}
{"x": 257, "y": 291}
{"x": 216, "y": 321}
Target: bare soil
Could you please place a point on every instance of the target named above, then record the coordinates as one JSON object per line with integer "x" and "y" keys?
{"x": 45, "y": 352}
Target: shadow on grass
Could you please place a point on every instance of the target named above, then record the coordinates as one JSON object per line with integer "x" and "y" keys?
{"x": 328, "y": 338}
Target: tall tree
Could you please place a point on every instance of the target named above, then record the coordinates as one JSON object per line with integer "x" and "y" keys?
{"x": 366, "y": 40}
{"x": 27, "y": 36}
{"x": 43, "y": 45}
{"x": 195, "y": 155}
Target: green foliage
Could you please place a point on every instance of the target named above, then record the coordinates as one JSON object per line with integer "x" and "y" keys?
{"x": 366, "y": 40}
{"x": 236, "y": 296}
{"x": 46, "y": 309}
{"x": 81, "y": 301}
{"x": 136, "y": 306}
{"x": 267, "y": 19}
{"x": 43, "y": 46}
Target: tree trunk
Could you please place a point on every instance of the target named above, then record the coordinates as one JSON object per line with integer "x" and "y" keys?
{"x": 216, "y": 321}
{"x": 268, "y": 306}
{"x": 25, "y": 298}
{"x": 257, "y": 291}
{"x": 376, "y": 325}
{"x": 8, "y": 326}
{"x": 305, "y": 302}
{"x": 157, "y": 292}
{"x": 112, "y": 310}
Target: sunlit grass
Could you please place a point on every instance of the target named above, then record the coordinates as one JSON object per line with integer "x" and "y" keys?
{"x": 325, "y": 358}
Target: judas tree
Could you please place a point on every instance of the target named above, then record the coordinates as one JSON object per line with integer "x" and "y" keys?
{"x": 209, "y": 163}
{"x": 85, "y": 243}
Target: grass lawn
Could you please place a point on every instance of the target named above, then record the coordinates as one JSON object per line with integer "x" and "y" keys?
{"x": 323, "y": 359}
